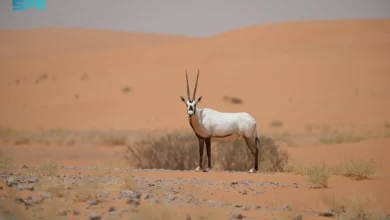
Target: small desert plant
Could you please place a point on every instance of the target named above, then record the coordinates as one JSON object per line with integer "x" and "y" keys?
{"x": 176, "y": 151}
{"x": 283, "y": 136}
{"x": 353, "y": 207}
{"x": 5, "y": 159}
{"x": 113, "y": 138}
{"x": 358, "y": 169}
{"x": 325, "y": 128}
{"x": 361, "y": 207}
{"x": 66, "y": 137}
{"x": 84, "y": 76}
{"x": 341, "y": 138}
{"x": 276, "y": 123}
{"x": 233, "y": 100}
{"x": 49, "y": 168}
{"x": 318, "y": 175}
{"x": 126, "y": 89}
{"x": 309, "y": 128}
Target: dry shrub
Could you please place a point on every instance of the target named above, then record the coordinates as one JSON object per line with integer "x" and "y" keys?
{"x": 48, "y": 168}
{"x": 126, "y": 89}
{"x": 386, "y": 124}
{"x": 179, "y": 151}
{"x": 174, "y": 151}
{"x": 358, "y": 169}
{"x": 232, "y": 99}
{"x": 5, "y": 160}
{"x": 235, "y": 155}
{"x": 276, "y": 123}
{"x": 340, "y": 138}
{"x": 318, "y": 175}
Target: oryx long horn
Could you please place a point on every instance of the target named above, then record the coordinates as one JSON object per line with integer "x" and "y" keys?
{"x": 196, "y": 85}
{"x": 188, "y": 88}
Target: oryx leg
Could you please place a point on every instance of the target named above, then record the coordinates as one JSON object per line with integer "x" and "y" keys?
{"x": 252, "y": 144}
{"x": 208, "y": 149}
{"x": 201, "y": 150}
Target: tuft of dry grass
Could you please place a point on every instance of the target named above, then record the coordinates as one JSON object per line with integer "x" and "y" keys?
{"x": 386, "y": 124}
{"x": 232, "y": 99}
{"x": 126, "y": 89}
{"x": 353, "y": 207}
{"x": 343, "y": 132}
{"x": 341, "y": 138}
{"x": 218, "y": 166}
{"x": 179, "y": 151}
{"x": 318, "y": 175}
{"x": 5, "y": 160}
{"x": 48, "y": 168}
{"x": 276, "y": 123}
{"x": 358, "y": 169}
{"x": 66, "y": 137}
{"x": 309, "y": 128}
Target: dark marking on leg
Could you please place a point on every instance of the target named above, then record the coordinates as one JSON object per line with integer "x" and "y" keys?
{"x": 201, "y": 150}
{"x": 257, "y": 147}
{"x": 208, "y": 148}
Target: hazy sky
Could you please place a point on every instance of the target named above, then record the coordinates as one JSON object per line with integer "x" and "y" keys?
{"x": 185, "y": 17}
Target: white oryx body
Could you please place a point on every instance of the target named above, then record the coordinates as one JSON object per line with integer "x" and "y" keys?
{"x": 210, "y": 124}
{"x": 224, "y": 126}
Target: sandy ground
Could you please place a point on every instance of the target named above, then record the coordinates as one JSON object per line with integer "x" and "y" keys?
{"x": 316, "y": 77}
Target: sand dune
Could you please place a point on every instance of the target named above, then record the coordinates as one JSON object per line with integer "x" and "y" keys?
{"x": 320, "y": 78}
{"x": 304, "y": 72}
{"x": 46, "y": 42}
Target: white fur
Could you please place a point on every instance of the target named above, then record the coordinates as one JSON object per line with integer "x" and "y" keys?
{"x": 211, "y": 123}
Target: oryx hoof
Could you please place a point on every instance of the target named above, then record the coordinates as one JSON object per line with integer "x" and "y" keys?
{"x": 252, "y": 170}
{"x": 198, "y": 169}
{"x": 207, "y": 169}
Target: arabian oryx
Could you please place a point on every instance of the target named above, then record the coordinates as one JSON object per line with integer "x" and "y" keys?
{"x": 210, "y": 124}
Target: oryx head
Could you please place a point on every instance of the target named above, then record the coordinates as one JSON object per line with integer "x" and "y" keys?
{"x": 191, "y": 103}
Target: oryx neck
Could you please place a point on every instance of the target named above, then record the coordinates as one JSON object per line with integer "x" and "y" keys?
{"x": 195, "y": 121}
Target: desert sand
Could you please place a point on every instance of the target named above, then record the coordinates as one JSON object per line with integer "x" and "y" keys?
{"x": 325, "y": 82}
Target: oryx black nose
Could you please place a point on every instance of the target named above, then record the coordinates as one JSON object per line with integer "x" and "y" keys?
{"x": 191, "y": 108}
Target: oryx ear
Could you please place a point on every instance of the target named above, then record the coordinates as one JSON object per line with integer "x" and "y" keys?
{"x": 182, "y": 99}
{"x": 200, "y": 98}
